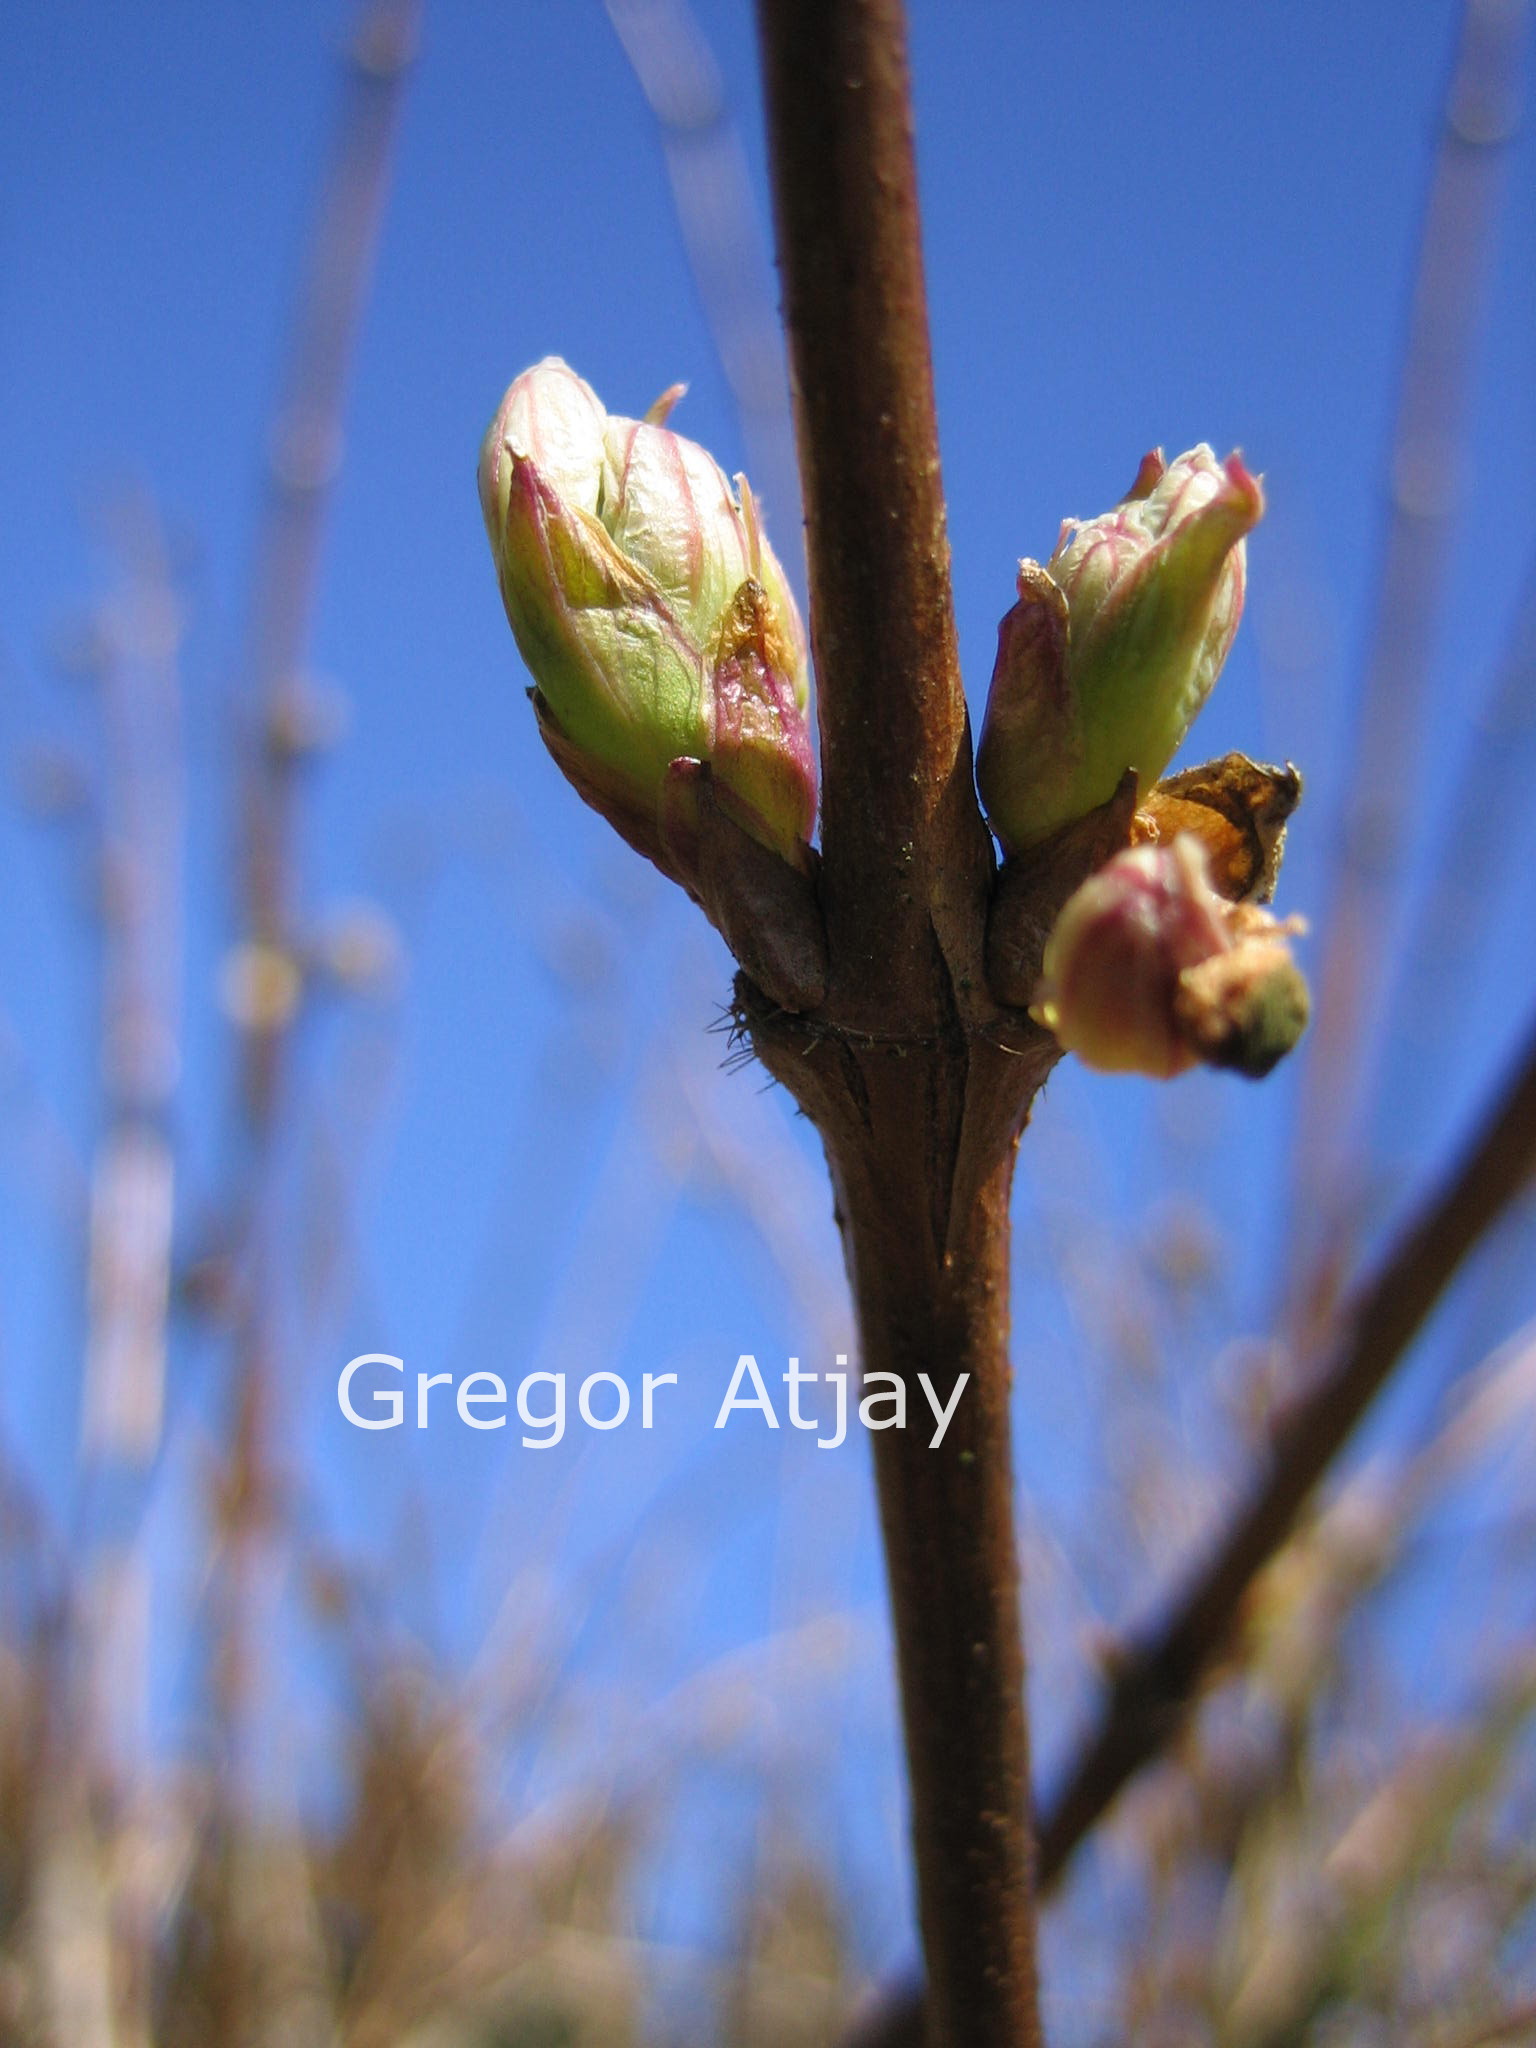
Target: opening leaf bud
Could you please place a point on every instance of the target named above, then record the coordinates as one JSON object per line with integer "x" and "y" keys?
{"x": 1115, "y": 643}
{"x": 651, "y": 612}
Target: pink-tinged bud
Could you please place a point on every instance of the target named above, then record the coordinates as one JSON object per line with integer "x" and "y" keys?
{"x": 1148, "y": 970}
{"x": 653, "y": 615}
{"x": 1115, "y": 644}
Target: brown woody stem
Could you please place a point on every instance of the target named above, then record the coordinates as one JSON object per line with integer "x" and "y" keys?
{"x": 916, "y": 1079}
{"x": 947, "y": 1520}
{"x": 902, "y": 840}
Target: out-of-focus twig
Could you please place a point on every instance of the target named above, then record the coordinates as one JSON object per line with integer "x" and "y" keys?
{"x": 1446, "y": 317}
{"x": 1438, "y": 977}
{"x": 141, "y": 905}
{"x": 129, "y": 1228}
{"x": 304, "y": 455}
{"x": 1157, "y": 1682}
{"x": 264, "y": 977}
{"x": 712, "y": 191}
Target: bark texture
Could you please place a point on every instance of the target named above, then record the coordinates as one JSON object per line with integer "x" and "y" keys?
{"x": 917, "y": 1080}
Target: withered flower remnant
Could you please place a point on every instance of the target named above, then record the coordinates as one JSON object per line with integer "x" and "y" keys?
{"x": 1148, "y": 970}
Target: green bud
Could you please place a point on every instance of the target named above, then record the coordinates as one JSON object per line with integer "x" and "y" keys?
{"x": 1115, "y": 644}
{"x": 651, "y": 612}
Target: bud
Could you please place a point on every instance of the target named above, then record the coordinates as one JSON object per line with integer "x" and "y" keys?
{"x": 1149, "y": 970}
{"x": 1115, "y": 644}
{"x": 655, "y": 620}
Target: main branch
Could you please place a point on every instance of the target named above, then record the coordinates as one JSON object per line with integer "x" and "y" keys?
{"x": 917, "y": 1081}
{"x": 902, "y": 840}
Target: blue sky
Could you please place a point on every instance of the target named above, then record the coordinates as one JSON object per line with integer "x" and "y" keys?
{"x": 1142, "y": 225}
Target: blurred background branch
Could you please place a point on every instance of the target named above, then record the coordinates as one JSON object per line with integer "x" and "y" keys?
{"x": 1155, "y": 1684}
{"x": 1447, "y": 319}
